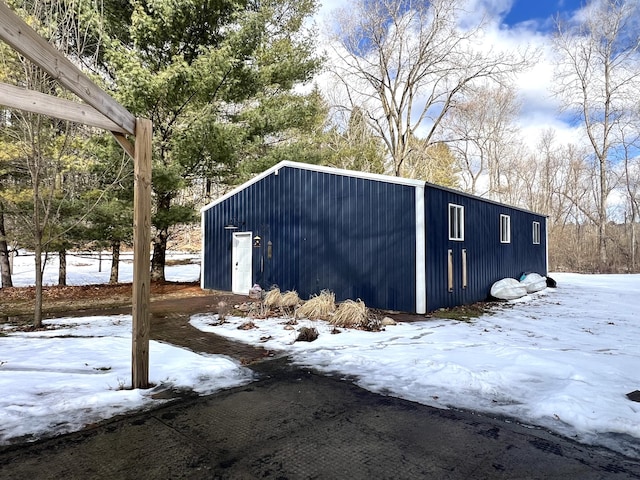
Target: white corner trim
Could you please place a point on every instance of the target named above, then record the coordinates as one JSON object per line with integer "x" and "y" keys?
{"x": 546, "y": 243}
{"x": 202, "y": 250}
{"x": 421, "y": 254}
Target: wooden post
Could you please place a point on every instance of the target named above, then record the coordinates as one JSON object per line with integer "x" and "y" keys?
{"x": 141, "y": 252}
{"x": 101, "y": 111}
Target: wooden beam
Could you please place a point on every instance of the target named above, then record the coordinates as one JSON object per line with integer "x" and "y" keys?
{"x": 119, "y": 121}
{"x": 22, "y": 38}
{"x": 125, "y": 144}
{"x": 36, "y": 102}
{"x": 141, "y": 251}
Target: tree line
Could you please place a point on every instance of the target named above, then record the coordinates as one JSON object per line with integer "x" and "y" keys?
{"x": 396, "y": 87}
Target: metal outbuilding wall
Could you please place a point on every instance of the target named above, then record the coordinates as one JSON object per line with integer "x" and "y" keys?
{"x": 355, "y": 236}
{"x": 488, "y": 260}
{"x": 381, "y": 239}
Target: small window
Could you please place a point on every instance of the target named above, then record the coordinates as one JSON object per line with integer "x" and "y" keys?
{"x": 456, "y": 222}
{"x": 505, "y": 229}
{"x": 536, "y": 233}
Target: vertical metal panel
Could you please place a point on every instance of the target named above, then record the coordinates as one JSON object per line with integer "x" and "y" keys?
{"x": 487, "y": 260}
{"x": 354, "y": 236}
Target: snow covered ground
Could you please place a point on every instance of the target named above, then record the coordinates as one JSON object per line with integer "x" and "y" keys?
{"x": 75, "y": 373}
{"x": 90, "y": 268}
{"x": 59, "y": 380}
{"x": 563, "y": 359}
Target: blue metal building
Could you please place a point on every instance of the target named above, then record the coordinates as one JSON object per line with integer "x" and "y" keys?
{"x": 395, "y": 243}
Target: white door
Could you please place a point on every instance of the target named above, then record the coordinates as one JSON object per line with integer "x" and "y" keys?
{"x": 241, "y": 263}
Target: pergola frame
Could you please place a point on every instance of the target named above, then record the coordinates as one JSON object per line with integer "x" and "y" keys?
{"x": 100, "y": 111}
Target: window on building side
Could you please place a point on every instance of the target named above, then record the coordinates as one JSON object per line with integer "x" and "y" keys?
{"x": 505, "y": 229}
{"x": 456, "y": 222}
{"x": 536, "y": 232}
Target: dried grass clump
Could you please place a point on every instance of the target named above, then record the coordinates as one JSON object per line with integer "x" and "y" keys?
{"x": 318, "y": 307}
{"x": 273, "y": 298}
{"x": 290, "y": 299}
{"x": 351, "y": 314}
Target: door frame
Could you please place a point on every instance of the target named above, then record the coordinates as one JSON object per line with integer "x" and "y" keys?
{"x": 235, "y": 255}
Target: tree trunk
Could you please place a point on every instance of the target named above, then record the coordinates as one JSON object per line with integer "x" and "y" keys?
{"x": 159, "y": 255}
{"x": 37, "y": 308}
{"x": 37, "y": 240}
{"x": 5, "y": 264}
{"x": 602, "y": 223}
{"x": 62, "y": 268}
{"x": 633, "y": 245}
{"x": 115, "y": 261}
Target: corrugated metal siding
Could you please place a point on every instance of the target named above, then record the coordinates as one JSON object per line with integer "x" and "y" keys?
{"x": 488, "y": 260}
{"x": 354, "y": 236}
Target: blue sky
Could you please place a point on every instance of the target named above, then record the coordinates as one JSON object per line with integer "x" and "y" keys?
{"x": 540, "y": 11}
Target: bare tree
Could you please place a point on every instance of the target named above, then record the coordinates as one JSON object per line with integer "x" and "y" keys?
{"x": 484, "y": 135}
{"x": 572, "y": 240}
{"x": 631, "y": 182}
{"x": 598, "y": 76}
{"x": 558, "y": 179}
{"x": 43, "y": 147}
{"x": 405, "y": 63}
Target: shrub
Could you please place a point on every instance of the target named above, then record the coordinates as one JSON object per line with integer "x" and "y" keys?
{"x": 273, "y": 298}
{"x": 290, "y": 299}
{"x": 318, "y": 307}
{"x": 351, "y": 314}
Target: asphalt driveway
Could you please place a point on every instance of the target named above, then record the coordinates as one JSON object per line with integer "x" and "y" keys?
{"x": 294, "y": 423}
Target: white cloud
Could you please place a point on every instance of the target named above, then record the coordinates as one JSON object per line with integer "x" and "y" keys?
{"x": 540, "y": 109}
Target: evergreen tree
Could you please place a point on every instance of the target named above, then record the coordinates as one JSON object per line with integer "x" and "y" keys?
{"x": 433, "y": 163}
{"x": 357, "y": 147}
{"x": 109, "y": 222}
{"x": 206, "y": 73}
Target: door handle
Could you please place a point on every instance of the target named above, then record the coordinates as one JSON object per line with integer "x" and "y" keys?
{"x": 464, "y": 268}
{"x": 450, "y": 270}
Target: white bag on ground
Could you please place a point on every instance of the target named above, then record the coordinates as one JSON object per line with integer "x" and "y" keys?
{"x": 508, "y": 289}
{"x": 533, "y": 282}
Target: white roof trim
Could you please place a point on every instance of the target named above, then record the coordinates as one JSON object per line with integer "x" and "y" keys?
{"x": 317, "y": 168}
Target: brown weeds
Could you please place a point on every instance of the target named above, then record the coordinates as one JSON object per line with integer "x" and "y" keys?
{"x": 318, "y": 307}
